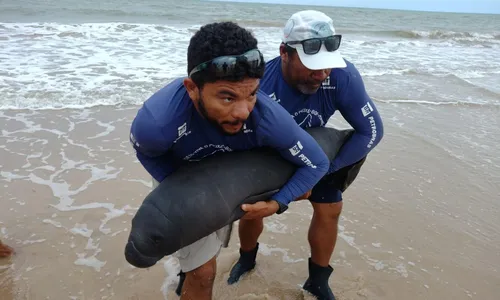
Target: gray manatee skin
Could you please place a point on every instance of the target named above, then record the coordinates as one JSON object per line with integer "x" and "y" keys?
{"x": 204, "y": 196}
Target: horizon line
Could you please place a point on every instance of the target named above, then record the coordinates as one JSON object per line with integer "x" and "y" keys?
{"x": 364, "y": 7}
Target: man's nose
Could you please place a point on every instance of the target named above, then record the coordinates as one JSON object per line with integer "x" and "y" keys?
{"x": 320, "y": 75}
{"x": 241, "y": 110}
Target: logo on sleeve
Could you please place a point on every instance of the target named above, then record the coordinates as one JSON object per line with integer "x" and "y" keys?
{"x": 182, "y": 131}
{"x": 307, "y": 161}
{"x": 367, "y": 109}
{"x": 245, "y": 129}
{"x": 296, "y": 148}
{"x": 273, "y": 96}
{"x": 326, "y": 84}
{"x": 373, "y": 126}
{"x": 133, "y": 140}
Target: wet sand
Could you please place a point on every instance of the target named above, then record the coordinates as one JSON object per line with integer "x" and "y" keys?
{"x": 418, "y": 223}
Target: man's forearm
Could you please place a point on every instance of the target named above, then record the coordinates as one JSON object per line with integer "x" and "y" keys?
{"x": 369, "y": 134}
{"x": 300, "y": 183}
{"x": 352, "y": 151}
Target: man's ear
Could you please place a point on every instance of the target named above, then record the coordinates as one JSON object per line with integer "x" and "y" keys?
{"x": 283, "y": 53}
{"x": 191, "y": 88}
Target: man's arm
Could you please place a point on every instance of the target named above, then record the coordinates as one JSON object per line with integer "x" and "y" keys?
{"x": 152, "y": 145}
{"x": 281, "y": 132}
{"x": 360, "y": 112}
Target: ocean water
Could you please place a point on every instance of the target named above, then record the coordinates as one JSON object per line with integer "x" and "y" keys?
{"x": 57, "y": 54}
{"x": 73, "y": 54}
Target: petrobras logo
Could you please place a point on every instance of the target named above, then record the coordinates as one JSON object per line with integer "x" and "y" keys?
{"x": 326, "y": 81}
{"x": 326, "y": 84}
{"x": 273, "y": 96}
{"x": 307, "y": 161}
{"x": 367, "y": 109}
{"x": 245, "y": 129}
{"x": 133, "y": 140}
{"x": 373, "y": 126}
{"x": 296, "y": 148}
{"x": 182, "y": 131}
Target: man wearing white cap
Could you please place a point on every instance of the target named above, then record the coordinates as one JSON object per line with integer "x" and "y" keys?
{"x": 311, "y": 80}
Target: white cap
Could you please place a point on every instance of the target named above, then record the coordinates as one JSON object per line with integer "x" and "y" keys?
{"x": 309, "y": 24}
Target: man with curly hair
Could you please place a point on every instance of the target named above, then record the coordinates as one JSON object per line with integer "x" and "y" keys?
{"x": 219, "y": 108}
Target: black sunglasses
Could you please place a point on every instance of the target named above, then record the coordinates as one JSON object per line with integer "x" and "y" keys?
{"x": 312, "y": 46}
{"x": 250, "y": 62}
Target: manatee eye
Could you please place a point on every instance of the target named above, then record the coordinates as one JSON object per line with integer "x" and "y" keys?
{"x": 156, "y": 239}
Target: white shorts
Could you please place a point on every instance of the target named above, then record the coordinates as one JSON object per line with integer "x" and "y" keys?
{"x": 203, "y": 250}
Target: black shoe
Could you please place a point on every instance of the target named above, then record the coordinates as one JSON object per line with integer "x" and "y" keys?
{"x": 182, "y": 277}
{"x": 317, "y": 283}
{"x": 245, "y": 264}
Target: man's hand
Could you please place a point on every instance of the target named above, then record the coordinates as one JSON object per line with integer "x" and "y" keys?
{"x": 305, "y": 196}
{"x": 260, "y": 209}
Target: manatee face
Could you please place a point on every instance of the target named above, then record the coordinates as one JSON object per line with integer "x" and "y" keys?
{"x": 149, "y": 237}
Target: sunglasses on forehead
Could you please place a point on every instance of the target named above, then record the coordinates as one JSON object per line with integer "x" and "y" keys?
{"x": 251, "y": 63}
{"x": 312, "y": 46}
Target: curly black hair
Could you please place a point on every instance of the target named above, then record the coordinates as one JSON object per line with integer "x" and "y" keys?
{"x": 218, "y": 39}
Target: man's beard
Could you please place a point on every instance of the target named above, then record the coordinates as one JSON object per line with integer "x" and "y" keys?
{"x": 301, "y": 86}
{"x": 214, "y": 122}
{"x": 307, "y": 89}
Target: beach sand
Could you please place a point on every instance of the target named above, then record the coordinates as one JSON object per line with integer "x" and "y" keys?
{"x": 416, "y": 224}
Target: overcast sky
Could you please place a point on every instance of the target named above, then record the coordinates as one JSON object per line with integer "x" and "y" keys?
{"x": 473, "y": 6}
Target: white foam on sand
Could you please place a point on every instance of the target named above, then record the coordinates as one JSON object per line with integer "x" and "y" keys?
{"x": 275, "y": 226}
{"x": 82, "y": 230}
{"x": 172, "y": 268}
{"x": 378, "y": 265}
{"x": 32, "y": 240}
{"x": 89, "y": 261}
{"x": 144, "y": 182}
{"x": 108, "y": 129}
{"x": 8, "y": 176}
{"x": 52, "y": 222}
{"x": 111, "y": 214}
{"x": 32, "y": 130}
{"x": 267, "y": 250}
{"x": 60, "y": 188}
{"x": 83, "y": 259}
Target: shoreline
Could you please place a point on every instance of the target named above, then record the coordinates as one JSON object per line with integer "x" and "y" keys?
{"x": 411, "y": 227}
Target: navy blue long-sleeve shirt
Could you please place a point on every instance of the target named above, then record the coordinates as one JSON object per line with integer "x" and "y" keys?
{"x": 344, "y": 91}
{"x": 168, "y": 131}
